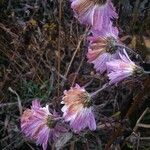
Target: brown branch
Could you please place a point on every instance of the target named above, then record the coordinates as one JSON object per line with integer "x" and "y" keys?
{"x": 136, "y": 102}
{"x": 59, "y": 44}
{"x": 76, "y": 50}
{"x": 78, "y": 69}
{"x": 143, "y": 125}
{"x": 7, "y": 30}
{"x": 139, "y": 120}
{"x": 74, "y": 54}
{"x": 18, "y": 98}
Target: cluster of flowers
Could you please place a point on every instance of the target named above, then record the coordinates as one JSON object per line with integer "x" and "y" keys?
{"x": 41, "y": 125}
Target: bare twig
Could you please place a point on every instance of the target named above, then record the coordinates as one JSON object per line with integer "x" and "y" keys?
{"x": 142, "y": 125}
{"x": 59, "y": 42}
{"x": 18, "y": 98}
{"x": 138, "y": 121}
{"x": 72, "y": 145}
{"x": 7, "y": 30}
{"x": 74, "y": 79}
{"x": 29, "y": 145}
{"x": 58, "y": 73}
{"x": 105, "y": 125}
{"x": 130, "y": 50}
{"x": 75, "y": 52}
{"x": 144, "y": 138}
{"x": 138, "y": 142}
{"x": 136, "y": 101}
{"x": 87, "y": 84}
{"x": 99, "y": 90}
{"x": 8, "y": 104}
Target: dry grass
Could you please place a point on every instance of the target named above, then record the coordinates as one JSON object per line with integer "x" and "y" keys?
{"x": 43, "y": 50}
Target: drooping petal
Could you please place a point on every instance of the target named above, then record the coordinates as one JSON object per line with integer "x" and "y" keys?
{"x": 39, "y": 124}
{"x": 77, "y": 110}
{"x": 119, "y": 76}
{"x": 102, "y": 47}
{"x": 100, "y": 62}
{"x": 94, "y": 13}
{"x": 122, "y": 68}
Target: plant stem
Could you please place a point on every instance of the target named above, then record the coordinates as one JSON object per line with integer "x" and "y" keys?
{"x": 59, "y": 45}
{"x": 147, "y": 72}
{"x": 135, "y": 105}
{"x": 130, "y": 50}
{"x": 99, "y": 90}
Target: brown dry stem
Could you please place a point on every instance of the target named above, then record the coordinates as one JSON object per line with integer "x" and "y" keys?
{"x": 136, "y": 101}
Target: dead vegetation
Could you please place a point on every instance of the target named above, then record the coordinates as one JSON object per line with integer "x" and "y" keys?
{"x": 43, "y": 50}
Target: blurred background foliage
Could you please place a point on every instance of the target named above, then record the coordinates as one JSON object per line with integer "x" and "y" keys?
{"x": 38, "y": 39}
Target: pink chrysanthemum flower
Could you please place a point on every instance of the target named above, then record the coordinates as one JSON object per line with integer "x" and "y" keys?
{"x": 102, "y": 47}
{"x": 120, "y": 69}
{"x": 40, "y": 125}
{"x": 97, "y": 13}
{"x": 77, "y": 109}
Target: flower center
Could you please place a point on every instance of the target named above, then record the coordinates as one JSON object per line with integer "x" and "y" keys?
{"x": 138, "y": 71}
{"x": 50, "y": 122}
{"x": 86, "y": 100}
{"x": 110, "y": 46}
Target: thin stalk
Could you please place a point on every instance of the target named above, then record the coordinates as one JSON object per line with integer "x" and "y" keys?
{"x": 59, "y": 44}
{"x": 74, "y": 79}
{"x": 87, "y": 84}
{"x": 146, "y": 72}
{"x": 135, "y": 105}
{"x": 99, "y": 90}
{"x": 130, "y": 50}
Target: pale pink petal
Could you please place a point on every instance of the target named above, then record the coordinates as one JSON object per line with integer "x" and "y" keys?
{"x": 75, "y": 109}
{"x": 102, "y": 47}
{"x": 120, "y": 69}
{"x": 35, "y": 124}
{"x": 95, "y": 14}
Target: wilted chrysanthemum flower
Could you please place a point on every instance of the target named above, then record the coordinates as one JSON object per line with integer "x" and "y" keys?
{"x": 120, "y": 69}
{"x": 97, "y": 13}
{"x": 102, "y": 48}
{"x": 40, "y": 125}
{"x": 77, "y": 109}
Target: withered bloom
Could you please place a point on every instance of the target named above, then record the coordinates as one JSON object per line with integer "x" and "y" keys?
{"x": 77, "y": 109}
{"x": 97, "y": 13}
{"x": 40, "y": 125}
{"x": 102, "y": 48}
{"x": 121, "y": 69}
